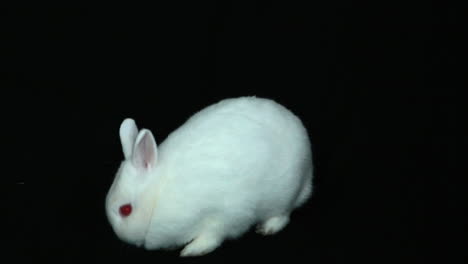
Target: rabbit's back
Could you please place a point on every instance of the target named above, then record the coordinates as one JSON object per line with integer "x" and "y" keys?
{"x": 239, "y": 152}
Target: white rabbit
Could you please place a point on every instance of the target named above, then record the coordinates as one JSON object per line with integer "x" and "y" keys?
{"x": 239, "y": 162}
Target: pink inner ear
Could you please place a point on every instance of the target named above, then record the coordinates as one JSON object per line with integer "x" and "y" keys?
{"x": 145, "y": 152}
{"x": 148, "y": 155}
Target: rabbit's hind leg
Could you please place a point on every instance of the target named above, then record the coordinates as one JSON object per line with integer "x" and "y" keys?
{"x": 273, "y": 225}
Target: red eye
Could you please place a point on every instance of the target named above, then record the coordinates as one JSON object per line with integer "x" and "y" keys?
{"x": 125, "y": 210}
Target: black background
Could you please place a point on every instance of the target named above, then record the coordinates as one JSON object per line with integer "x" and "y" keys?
{"x": 374, "y": 84}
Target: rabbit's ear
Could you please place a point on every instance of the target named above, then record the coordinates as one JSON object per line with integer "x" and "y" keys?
{"x": 128, "y": 133}
{"x": 145, "y": 150}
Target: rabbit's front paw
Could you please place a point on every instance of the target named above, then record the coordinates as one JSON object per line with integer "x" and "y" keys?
{"x": 203, "y": 244}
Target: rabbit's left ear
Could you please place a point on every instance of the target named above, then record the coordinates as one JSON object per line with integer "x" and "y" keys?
{"x": 145, "y": 150}
{"x": 128, "y": 133}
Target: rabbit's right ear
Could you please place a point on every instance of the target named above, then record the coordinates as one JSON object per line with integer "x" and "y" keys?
{"x": 128, "y": 133}
{"x": 145, "y": 150}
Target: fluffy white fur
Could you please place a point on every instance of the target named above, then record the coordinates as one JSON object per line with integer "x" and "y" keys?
{"x": 237, "y": 163}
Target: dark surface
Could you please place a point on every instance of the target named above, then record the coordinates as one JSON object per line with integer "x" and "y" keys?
{"x": 375, "y": 86}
